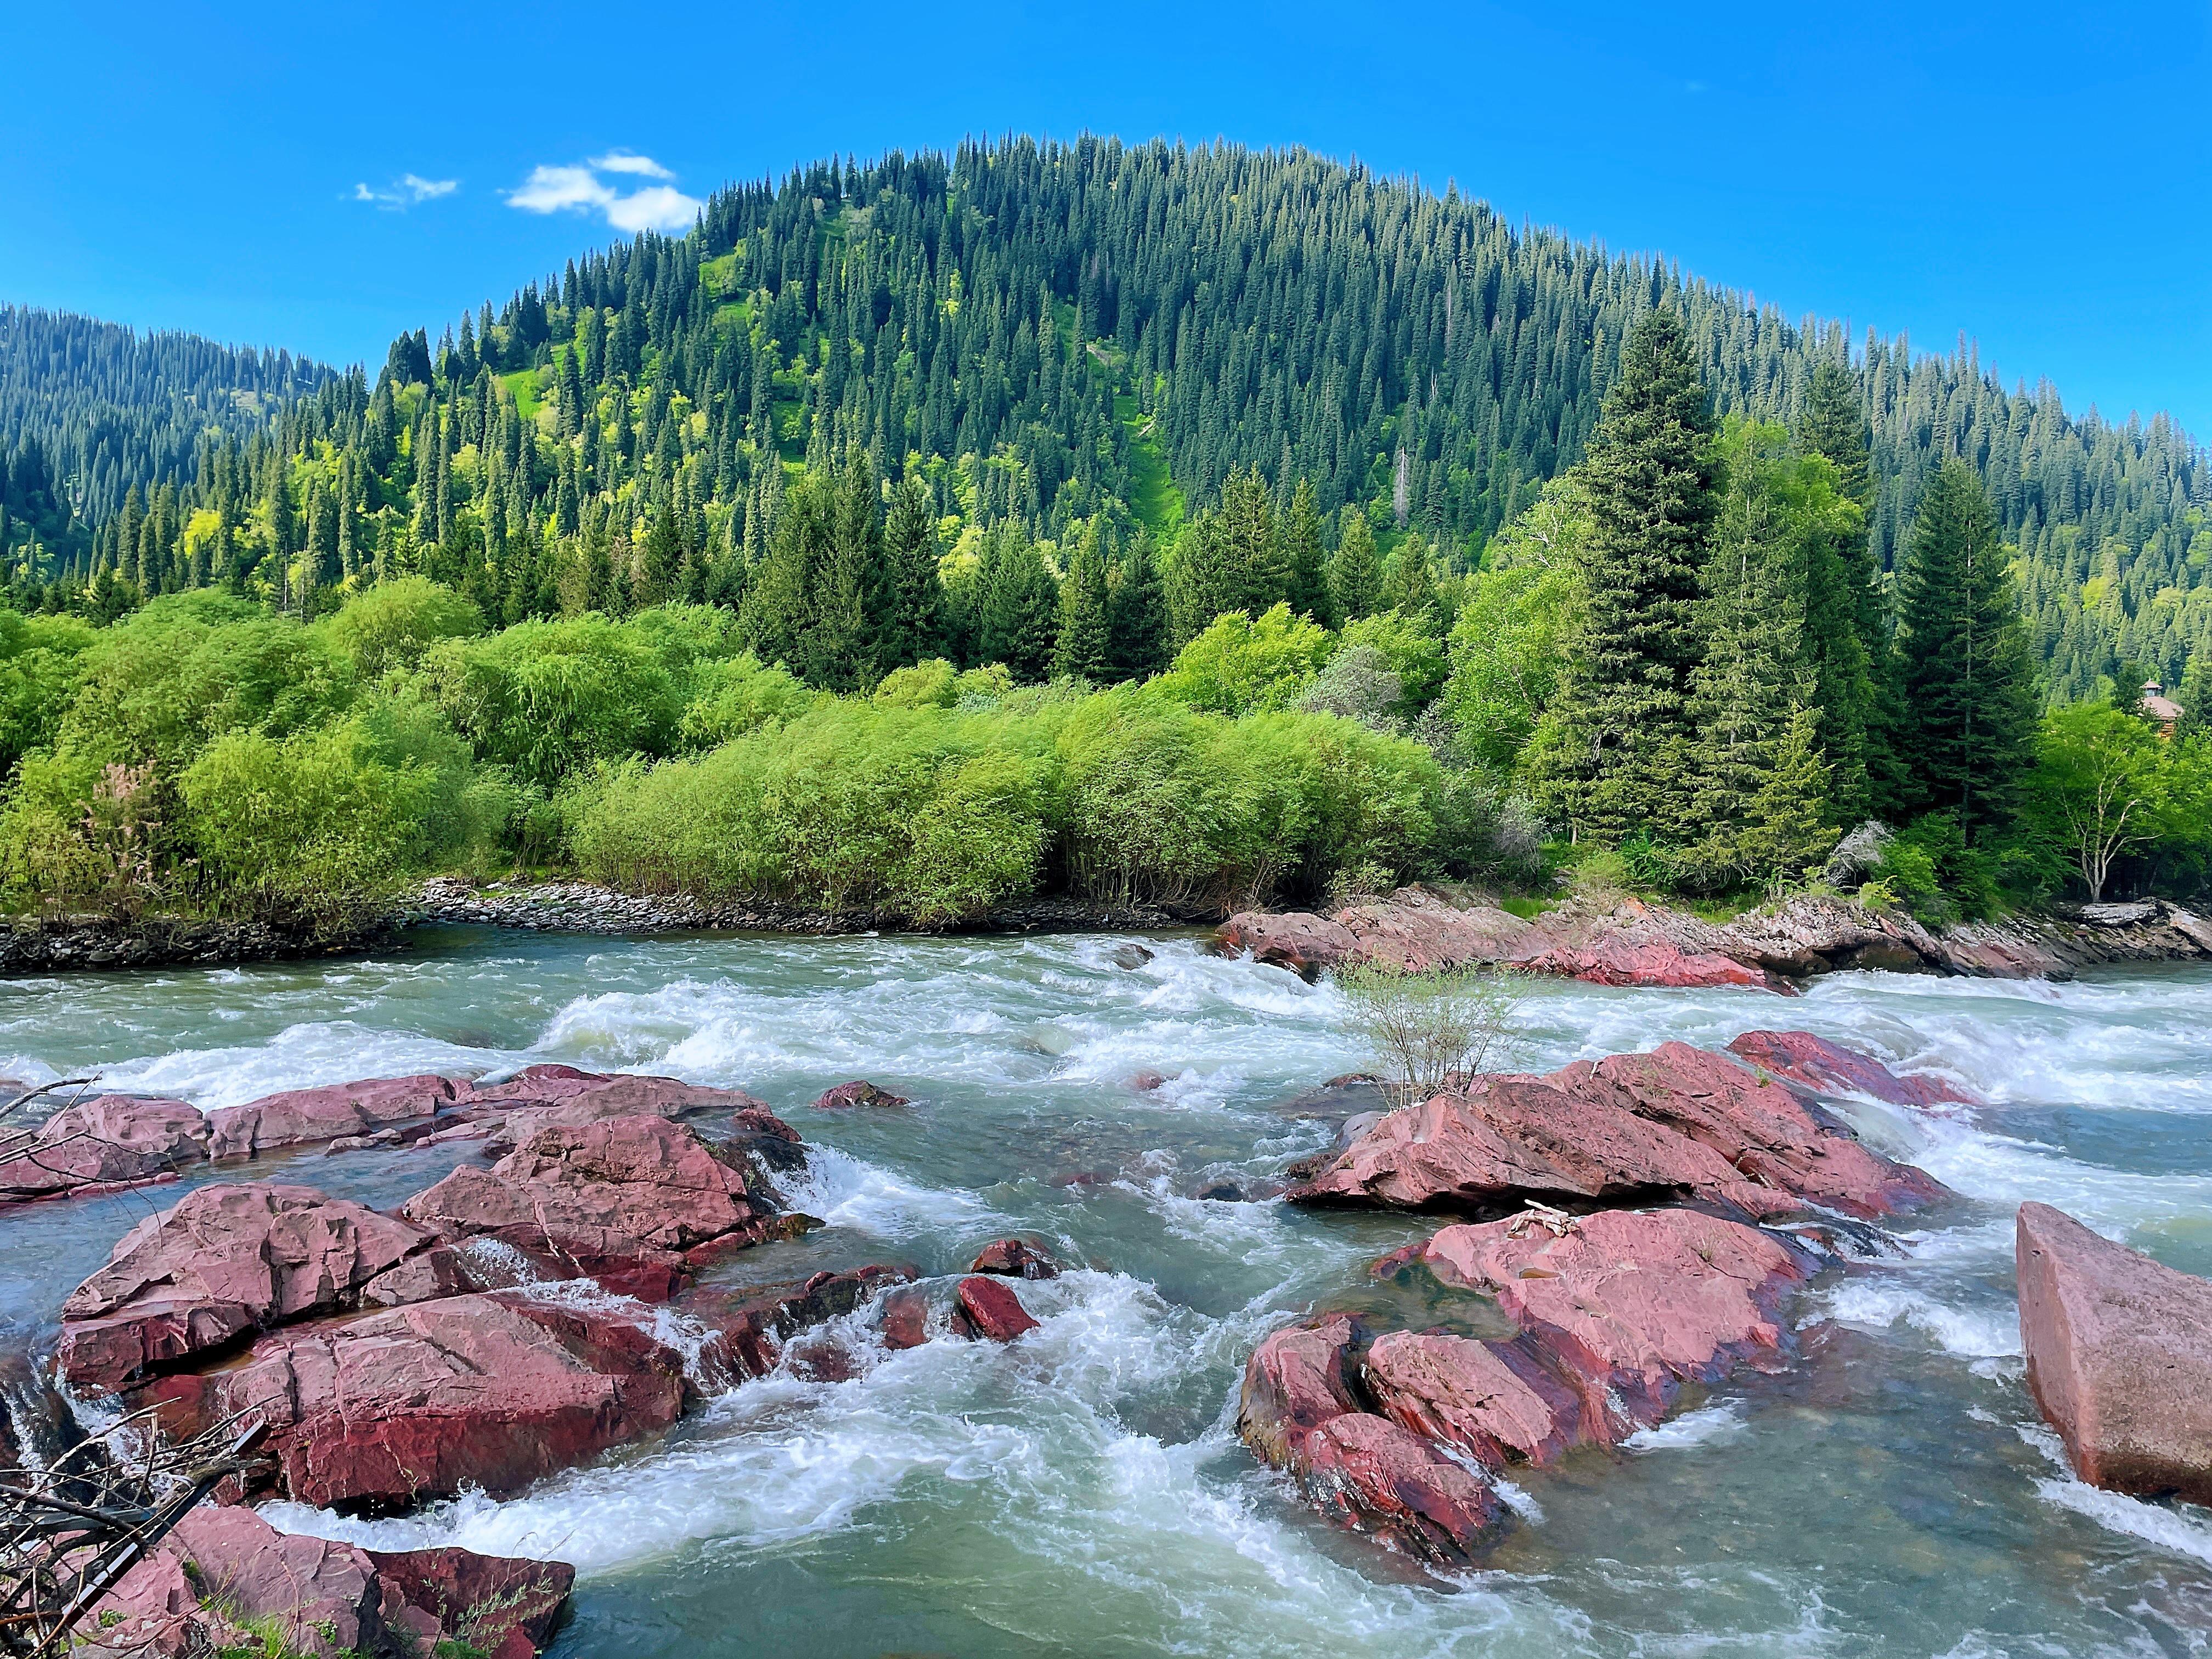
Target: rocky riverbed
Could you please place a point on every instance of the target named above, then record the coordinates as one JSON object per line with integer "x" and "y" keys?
{"x": 1705, "y": 1253}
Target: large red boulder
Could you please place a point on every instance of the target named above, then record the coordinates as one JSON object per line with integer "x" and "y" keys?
{"x": 1827, "y": 1069}
{"x": 2119, "y": 1357}
{"x": 1014, "y": 1258}
{"x": 306, "y": 1117}
{"x": 1612, "y": 959}
{"x": 624, "y": 1199}
{"x": 1630, "y": 1306}
{"x": 541, "y": 1096}
{"x": 106, "y": 1142}
{"x": 1505, "y": 1141}
{"x": 1296, "y": 1379}
{"x": 389, "y": 1410}
{"x": 224, "y": 1261}
{"x": 1763, "y": 1130}
{"x": 1677, "y": 1123}
{"x": 1294, "y": 939}
{"x": 1378, "y": 1478}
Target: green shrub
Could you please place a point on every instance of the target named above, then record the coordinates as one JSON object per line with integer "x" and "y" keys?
{"x": 395, "y": 623}
{"x": 733, "y": 695}
{"x": 1414, "y": 649}
{"x": 41, "y": 663}
{"x": 931, "y": 684}
{"x": 167, "y": 680}
{"x": 544, "y": 698}
{"x": 1238, "y": 663}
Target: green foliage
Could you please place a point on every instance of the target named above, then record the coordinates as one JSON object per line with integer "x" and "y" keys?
{"x": 1966, "y": 743}
{"x": 39, "y": 666}
{"x": 1238, "y": 663}
{"x": 1410, "y": 643}
{"x": 1621, "y": 756}
{"x": 1429, "y": 1031}
{"x": 2107, "y": 785}
{"x": 732, "y": 695}
{"x": 544, "y": 698}
{"x": 1509, "y": 648}
{"x": 931, "y": 684}
{"x": 394, "y": 624}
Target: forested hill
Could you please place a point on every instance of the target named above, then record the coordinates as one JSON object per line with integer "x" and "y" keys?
{"x": 1047, "y": 333}
{"x": 91, "y": 410}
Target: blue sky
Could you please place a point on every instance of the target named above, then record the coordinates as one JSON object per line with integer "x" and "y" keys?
{"x": 322, "y": 176}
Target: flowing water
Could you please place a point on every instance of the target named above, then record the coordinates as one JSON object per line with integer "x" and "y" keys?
{"x": 1083, "y": 1492}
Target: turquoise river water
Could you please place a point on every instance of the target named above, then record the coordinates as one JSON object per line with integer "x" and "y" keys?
{"x": 1082, "y": 1492}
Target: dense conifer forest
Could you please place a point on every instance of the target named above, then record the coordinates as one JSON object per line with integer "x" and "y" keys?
{"x": 879, "y": 478}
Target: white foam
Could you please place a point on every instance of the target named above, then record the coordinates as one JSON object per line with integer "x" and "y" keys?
{"x": 1878, "y": 1304}
{"x": 2184, "y": 1530}
{"x": 1708, "y": 1425}
{"x": 845, "y": 1191}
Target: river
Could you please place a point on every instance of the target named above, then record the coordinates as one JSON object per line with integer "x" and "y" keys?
{"x": 1083, "y": 1492}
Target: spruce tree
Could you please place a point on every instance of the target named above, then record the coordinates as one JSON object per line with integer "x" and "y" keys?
{"x": 1857, "y": 695}
{"x": 1083, "y": 648}
{"x": 912, "y": 627}
{"x": 1305, "y": 564}
{"x": 1255, "y": 574}
{"x": 1356, "y": 573}
{"x": 1965, "y": 741}
{"x": 1202, "y": 583}
{"x": 1136, "y": 615}
{"x": 1621, "y": 752}
{"x": 1020, "y": 620}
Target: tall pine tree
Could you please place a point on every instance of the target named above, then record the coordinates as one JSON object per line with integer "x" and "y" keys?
{"x": 1620, "y": 751}
{"x": 1965, "y": 739}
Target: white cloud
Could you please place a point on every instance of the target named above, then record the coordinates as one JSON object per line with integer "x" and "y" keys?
{"x": 581, "y": 189}
{"x": 622, "y": 160}
{"x": 406, "y": 191}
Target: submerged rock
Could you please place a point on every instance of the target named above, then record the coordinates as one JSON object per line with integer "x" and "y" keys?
{"x": 99, "y": 1145}
{"x": 1814, "y": 1063}
{"x": 2119, "y": 1357}
{"x": 859, "y": 1092}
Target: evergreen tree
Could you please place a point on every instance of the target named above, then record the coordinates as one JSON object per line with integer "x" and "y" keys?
{"x": 1621, "y": 749}
{"x": 1856, "y": 675}
{"x": 912, "y": 624}
{"x": 1966, "y": 741}
{"x": 1305, "y": 563}
{"x": 1083, "y": 649}
{"x": 1356, "y": 573}
{"x": 1020, "y": 609}
{"x": 1202, "y": 583}
{"x": 1411, "y": 587}
{"x": 1138, "y": 629}
{"x": 1255, "y": 575}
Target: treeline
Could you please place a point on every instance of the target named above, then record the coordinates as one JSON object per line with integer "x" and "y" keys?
{"x": 1055, "y": 337}
{"x": 90, "y": 411}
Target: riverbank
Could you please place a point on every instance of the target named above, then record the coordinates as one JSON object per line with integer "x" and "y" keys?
{"x": 1626, "y": 941}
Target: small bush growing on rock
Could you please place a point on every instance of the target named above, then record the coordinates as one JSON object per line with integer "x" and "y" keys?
{"x": 1426, "y": 1029}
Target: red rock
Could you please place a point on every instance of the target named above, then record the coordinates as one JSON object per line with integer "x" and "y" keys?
{"x": 750, "y": 1329}
{"x": 857, "y": 1093}
{"x": 1495, "y": 1400}
{"x": 2119, "y": 1357}
{"x": 1825, "y": 1067}
{"x": 483, "y": 1601}
{"x": 225, "y": 1261}
{"x": 1144, "y": 1082}
{"x": 1014, "y": 1258}
{"x": 905, "y": 1320}
{"x": 1631, "y": 1305}
{"x": 386, "y": 1411}
{"x": 303, "y": 1117}
{"x": 619, "y": 1094}
{"x": 323, "y": 1597}
{"x": 624, "y": 1199}
{"x": 1658, "y": 962}
{"x": 1295, "y": 940}
{"x": 1376, "y": 1477}
{"x": 105, "y": 1144}
{"x": 992, "y": 1311}
{"x": 1761, "y": 1129}
{"x": 1296, "y": 1379}
{"x": 1507, "y": 1139}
